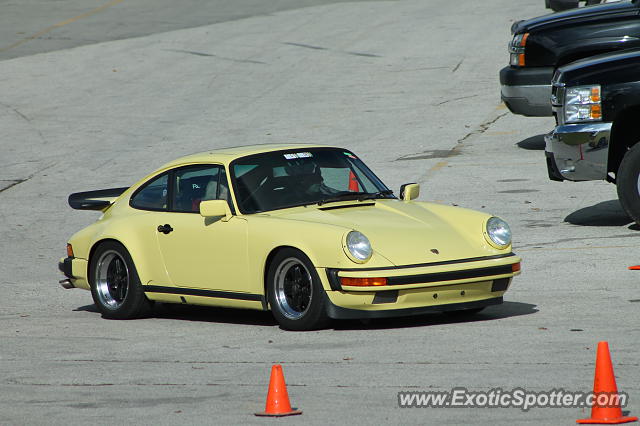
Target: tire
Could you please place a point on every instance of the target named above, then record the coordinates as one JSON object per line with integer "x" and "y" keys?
{"x": 463, "y": 313}
{"x": 628, "y": 183}
{"x": 294, "y": 291}
{"x": 547, "y": 4}
{"x": 115, "y": 285}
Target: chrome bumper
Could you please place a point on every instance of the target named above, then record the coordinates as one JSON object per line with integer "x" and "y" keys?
{"x": 580, "y": 151}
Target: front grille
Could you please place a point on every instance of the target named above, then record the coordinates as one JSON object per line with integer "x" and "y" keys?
{"x": 557, "y": 99}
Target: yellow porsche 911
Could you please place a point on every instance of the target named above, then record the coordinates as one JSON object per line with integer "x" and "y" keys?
{"x": 308, "y": 232}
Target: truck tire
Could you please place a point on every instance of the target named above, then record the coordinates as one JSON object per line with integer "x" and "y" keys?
{"x": 628, "y": 183}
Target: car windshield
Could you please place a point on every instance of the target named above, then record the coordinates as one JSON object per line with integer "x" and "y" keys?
{"x": 281, "y": 179}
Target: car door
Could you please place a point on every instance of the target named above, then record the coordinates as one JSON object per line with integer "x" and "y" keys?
{"x": 198, "y": 252}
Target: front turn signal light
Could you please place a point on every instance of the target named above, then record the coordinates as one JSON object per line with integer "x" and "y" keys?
{"x": 363, "y": 282}
{"x": 69, "y": 251}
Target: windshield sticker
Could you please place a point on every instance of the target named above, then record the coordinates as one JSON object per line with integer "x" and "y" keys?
{"x": 295, "y": 155}
{"x": 350, "y": 155}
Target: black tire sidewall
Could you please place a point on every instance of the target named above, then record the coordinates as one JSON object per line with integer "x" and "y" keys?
{"x": 135, "y": 302}
{"x": 627, "y": 183}
{"x": 316, "y": 316}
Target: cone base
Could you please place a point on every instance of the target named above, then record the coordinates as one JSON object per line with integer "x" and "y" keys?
{"x": 614, "y": 421}
{"x": 287, "y": 413}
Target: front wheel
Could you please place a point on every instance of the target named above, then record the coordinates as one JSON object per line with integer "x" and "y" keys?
{"x": 295, "y": 293}
{"x": 115, "y": 285}
{"x": 628, "y": 183}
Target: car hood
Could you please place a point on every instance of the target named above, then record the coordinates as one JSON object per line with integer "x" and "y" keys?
{"x": 406, "y": 233}
{"x": 574, "y": 16}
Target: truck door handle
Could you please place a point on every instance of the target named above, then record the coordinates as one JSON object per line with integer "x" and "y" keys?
{"x": 165, "y": 229}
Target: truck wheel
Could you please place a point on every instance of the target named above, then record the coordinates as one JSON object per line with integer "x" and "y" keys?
{"x": 115, "y": 285}
{"x": 628, "y": 183}
{"x": 295, "y": 293}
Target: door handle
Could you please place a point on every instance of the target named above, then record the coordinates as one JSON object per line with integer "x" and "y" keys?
{"x": 165, "y": 229}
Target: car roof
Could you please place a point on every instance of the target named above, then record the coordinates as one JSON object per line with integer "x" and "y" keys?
{"x": 226, "y": 155}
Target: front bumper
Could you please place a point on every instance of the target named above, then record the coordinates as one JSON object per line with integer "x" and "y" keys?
{"x": 578, "y": 152}
{"x": 527, "y": 91}
{"x": 412, "y": 290}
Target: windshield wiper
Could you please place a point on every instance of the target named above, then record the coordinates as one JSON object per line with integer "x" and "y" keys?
{"x": 360, "y": 196}
{"x": 374, "y": 195}
{"x": 342, "y": 197}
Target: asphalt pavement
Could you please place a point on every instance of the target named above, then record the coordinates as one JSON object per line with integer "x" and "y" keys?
{"x": 411, "y": 86}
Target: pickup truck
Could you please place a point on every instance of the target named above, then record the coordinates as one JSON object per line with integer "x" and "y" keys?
{"x": 542, "y": 44}
{"x": 596, "y": 103}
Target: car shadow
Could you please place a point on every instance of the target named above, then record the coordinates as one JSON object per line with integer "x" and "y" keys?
{"x": 496, "y": 312}
{"x": 606, "y": 213}
{"x": 265, "y": 319}
{"x": 534, "y": 143}
{"x": 202, "y": 314}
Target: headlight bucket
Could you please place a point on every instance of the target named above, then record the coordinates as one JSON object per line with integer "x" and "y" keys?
{"x": 357, "y": 247}
{"x": 516, "y": 50}
{"x": 497, "y": 233}
{"x": 582, "y": 103}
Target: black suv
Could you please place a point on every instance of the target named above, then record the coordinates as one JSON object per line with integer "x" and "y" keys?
{"x": 542, "y": 44}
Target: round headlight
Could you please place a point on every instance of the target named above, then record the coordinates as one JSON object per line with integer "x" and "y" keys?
{"x": 499, "y": 232}
{"x": 358, "y": 246}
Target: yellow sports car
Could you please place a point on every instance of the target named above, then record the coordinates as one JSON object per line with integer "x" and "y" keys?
{"x": 306, "y": 231}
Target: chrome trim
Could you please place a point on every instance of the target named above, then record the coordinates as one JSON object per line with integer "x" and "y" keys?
{"x": 580, "y": 151}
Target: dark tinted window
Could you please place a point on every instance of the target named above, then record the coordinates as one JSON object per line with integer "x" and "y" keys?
{"x": 281, "y": 179}
{"x": 153, "y": 195}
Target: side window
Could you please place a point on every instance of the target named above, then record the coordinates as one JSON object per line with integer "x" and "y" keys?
{"x": 152, "y": 196}
{"x": 197, "y": 183}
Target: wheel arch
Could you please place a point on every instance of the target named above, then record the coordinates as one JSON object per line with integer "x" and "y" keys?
{"x": 625, "y": 133}
{"x": 93, "y": 250}
{"x": 267, "y": 264}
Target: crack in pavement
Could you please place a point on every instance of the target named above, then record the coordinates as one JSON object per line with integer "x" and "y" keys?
{"x": 15, "y": 182}
{"x": 482, "y": 128}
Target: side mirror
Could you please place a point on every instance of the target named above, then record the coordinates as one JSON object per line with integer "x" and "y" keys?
{"x": 409, "y": 191}
{"x": 215, "y": 208}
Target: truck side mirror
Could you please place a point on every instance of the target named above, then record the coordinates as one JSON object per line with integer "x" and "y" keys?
{"x": 409, "y": 191}
{"x": 215, "y": 208}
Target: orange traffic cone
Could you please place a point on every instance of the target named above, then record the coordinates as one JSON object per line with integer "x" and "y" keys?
{"x": 278, "y": 399}
{"x": 605, "y": 384}
{"x": 353, "y": 182}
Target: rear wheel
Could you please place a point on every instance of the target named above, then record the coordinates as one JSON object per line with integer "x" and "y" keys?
{"x": 628, "y": 182}
{"x": 295, "y": 293}
{"x": 115, "y": 285}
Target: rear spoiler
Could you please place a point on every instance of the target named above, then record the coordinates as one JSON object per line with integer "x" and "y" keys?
{"x": 95, "y": 200}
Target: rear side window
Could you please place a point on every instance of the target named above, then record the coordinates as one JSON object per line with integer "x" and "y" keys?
{"x": 153, "y": 195}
